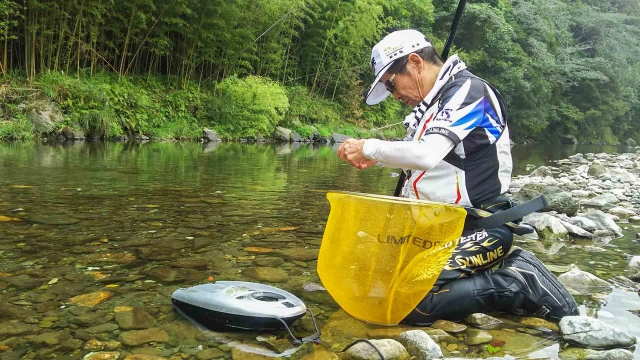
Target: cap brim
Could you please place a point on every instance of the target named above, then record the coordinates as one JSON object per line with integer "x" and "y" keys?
{"x": 378, "y": 91}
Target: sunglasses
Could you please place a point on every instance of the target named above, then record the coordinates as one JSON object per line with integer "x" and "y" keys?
{"x": 389, "y": 84}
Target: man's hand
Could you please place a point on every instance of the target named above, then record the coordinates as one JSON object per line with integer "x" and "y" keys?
{"x": 351, "y": 152}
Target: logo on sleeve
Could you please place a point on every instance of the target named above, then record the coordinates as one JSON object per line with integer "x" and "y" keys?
{"x": 444, "y": 115}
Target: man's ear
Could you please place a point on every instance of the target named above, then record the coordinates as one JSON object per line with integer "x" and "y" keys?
{"x": 416, "y": 60}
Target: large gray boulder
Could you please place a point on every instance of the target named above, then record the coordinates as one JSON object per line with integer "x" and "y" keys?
{"x": 580, "y": 282}
{"x": 561, "y": 201}
{"x": 419, "y": 345}
{"x": 603, "y": 221}
{"x": 339, "y": 138}
{"x": 44, "y": 116}
{"x": 282, "y": 134}
{"x": 630, "y": 142}
{"x": 209, "y": 135}
{"x": 593, "y": 333}
{"x": 547, "y": 226}
{"x": 575, "y": 230}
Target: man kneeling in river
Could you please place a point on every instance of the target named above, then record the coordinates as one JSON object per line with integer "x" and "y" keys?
{"x": 458, "y": 151}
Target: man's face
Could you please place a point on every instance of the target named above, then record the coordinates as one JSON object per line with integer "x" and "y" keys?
{"x": 405, "y": 85}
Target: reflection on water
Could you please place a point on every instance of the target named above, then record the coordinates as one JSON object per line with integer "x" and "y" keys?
{"x": 127, "y": 224}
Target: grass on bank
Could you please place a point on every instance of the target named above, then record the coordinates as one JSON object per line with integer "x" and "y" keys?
{"x": 103, "y": 105}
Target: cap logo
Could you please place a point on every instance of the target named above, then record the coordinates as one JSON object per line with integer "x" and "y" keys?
{"x": 391, "y": 49}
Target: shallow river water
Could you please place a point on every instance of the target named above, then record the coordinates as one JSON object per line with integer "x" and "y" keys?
{"x": 94, "y": 238}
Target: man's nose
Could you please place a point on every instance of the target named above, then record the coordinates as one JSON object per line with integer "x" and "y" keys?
{"x": 396, "y": 95}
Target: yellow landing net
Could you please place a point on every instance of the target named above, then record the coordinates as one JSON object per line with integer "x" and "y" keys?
{"x": 380, "y": 255}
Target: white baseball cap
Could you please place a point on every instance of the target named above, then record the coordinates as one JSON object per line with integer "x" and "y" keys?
{"x": 393, "y": 46}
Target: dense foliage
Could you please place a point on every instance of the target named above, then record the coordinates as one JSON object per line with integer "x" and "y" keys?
{"x": 169, "y": 67}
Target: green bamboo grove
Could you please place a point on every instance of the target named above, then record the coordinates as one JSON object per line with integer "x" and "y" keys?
{"x": 169, "y": 67}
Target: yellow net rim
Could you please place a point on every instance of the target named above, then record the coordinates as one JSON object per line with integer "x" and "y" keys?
{"x": 393, "y": 199}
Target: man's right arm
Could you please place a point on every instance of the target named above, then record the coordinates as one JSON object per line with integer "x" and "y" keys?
{"x": 423, "y": 155}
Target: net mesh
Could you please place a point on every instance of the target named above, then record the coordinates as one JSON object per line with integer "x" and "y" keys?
{"x": 381, "y": 255}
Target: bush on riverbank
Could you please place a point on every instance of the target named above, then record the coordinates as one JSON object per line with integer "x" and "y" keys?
{"x": 246, "y": 107}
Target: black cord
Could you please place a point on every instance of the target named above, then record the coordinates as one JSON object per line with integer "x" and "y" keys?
{"x": 368, "y": 342}
{"x": 315, "y": 338}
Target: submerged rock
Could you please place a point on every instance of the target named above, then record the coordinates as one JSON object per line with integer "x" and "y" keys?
{"x": 419, "y": 345}
{"x": 269, "y": 261}
{"x": 139, "y": 337}
{"x": 165, "y": 274}
{"x": 97, "y": 345}
{"x": 477, "y": 336}
{"x": 92, "y": 299}
{"x": 11, "y": 312}
{"x": 536, "y": 323}
{"x": 389, "y": 348}
{"x": 441, "y": 336}
{"x": 197, "y": 264}
{"x": 24, "y": 282}
{"x": 54, "y": 220}
{"x": 135, "y": 319}
{"x": 449, "y": 326}
{"x": 11, "y": 328}
{"x": 267, "y": 274}
{"x": 593, "y": 333}
{"x": 300, "y": 254}
{"x": 102, "y": 355}
{"x": 102, "y": 328}
{"x": 210, "y": 353}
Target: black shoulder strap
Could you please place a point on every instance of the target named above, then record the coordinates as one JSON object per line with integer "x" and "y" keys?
{"x": 486, "y": 220}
